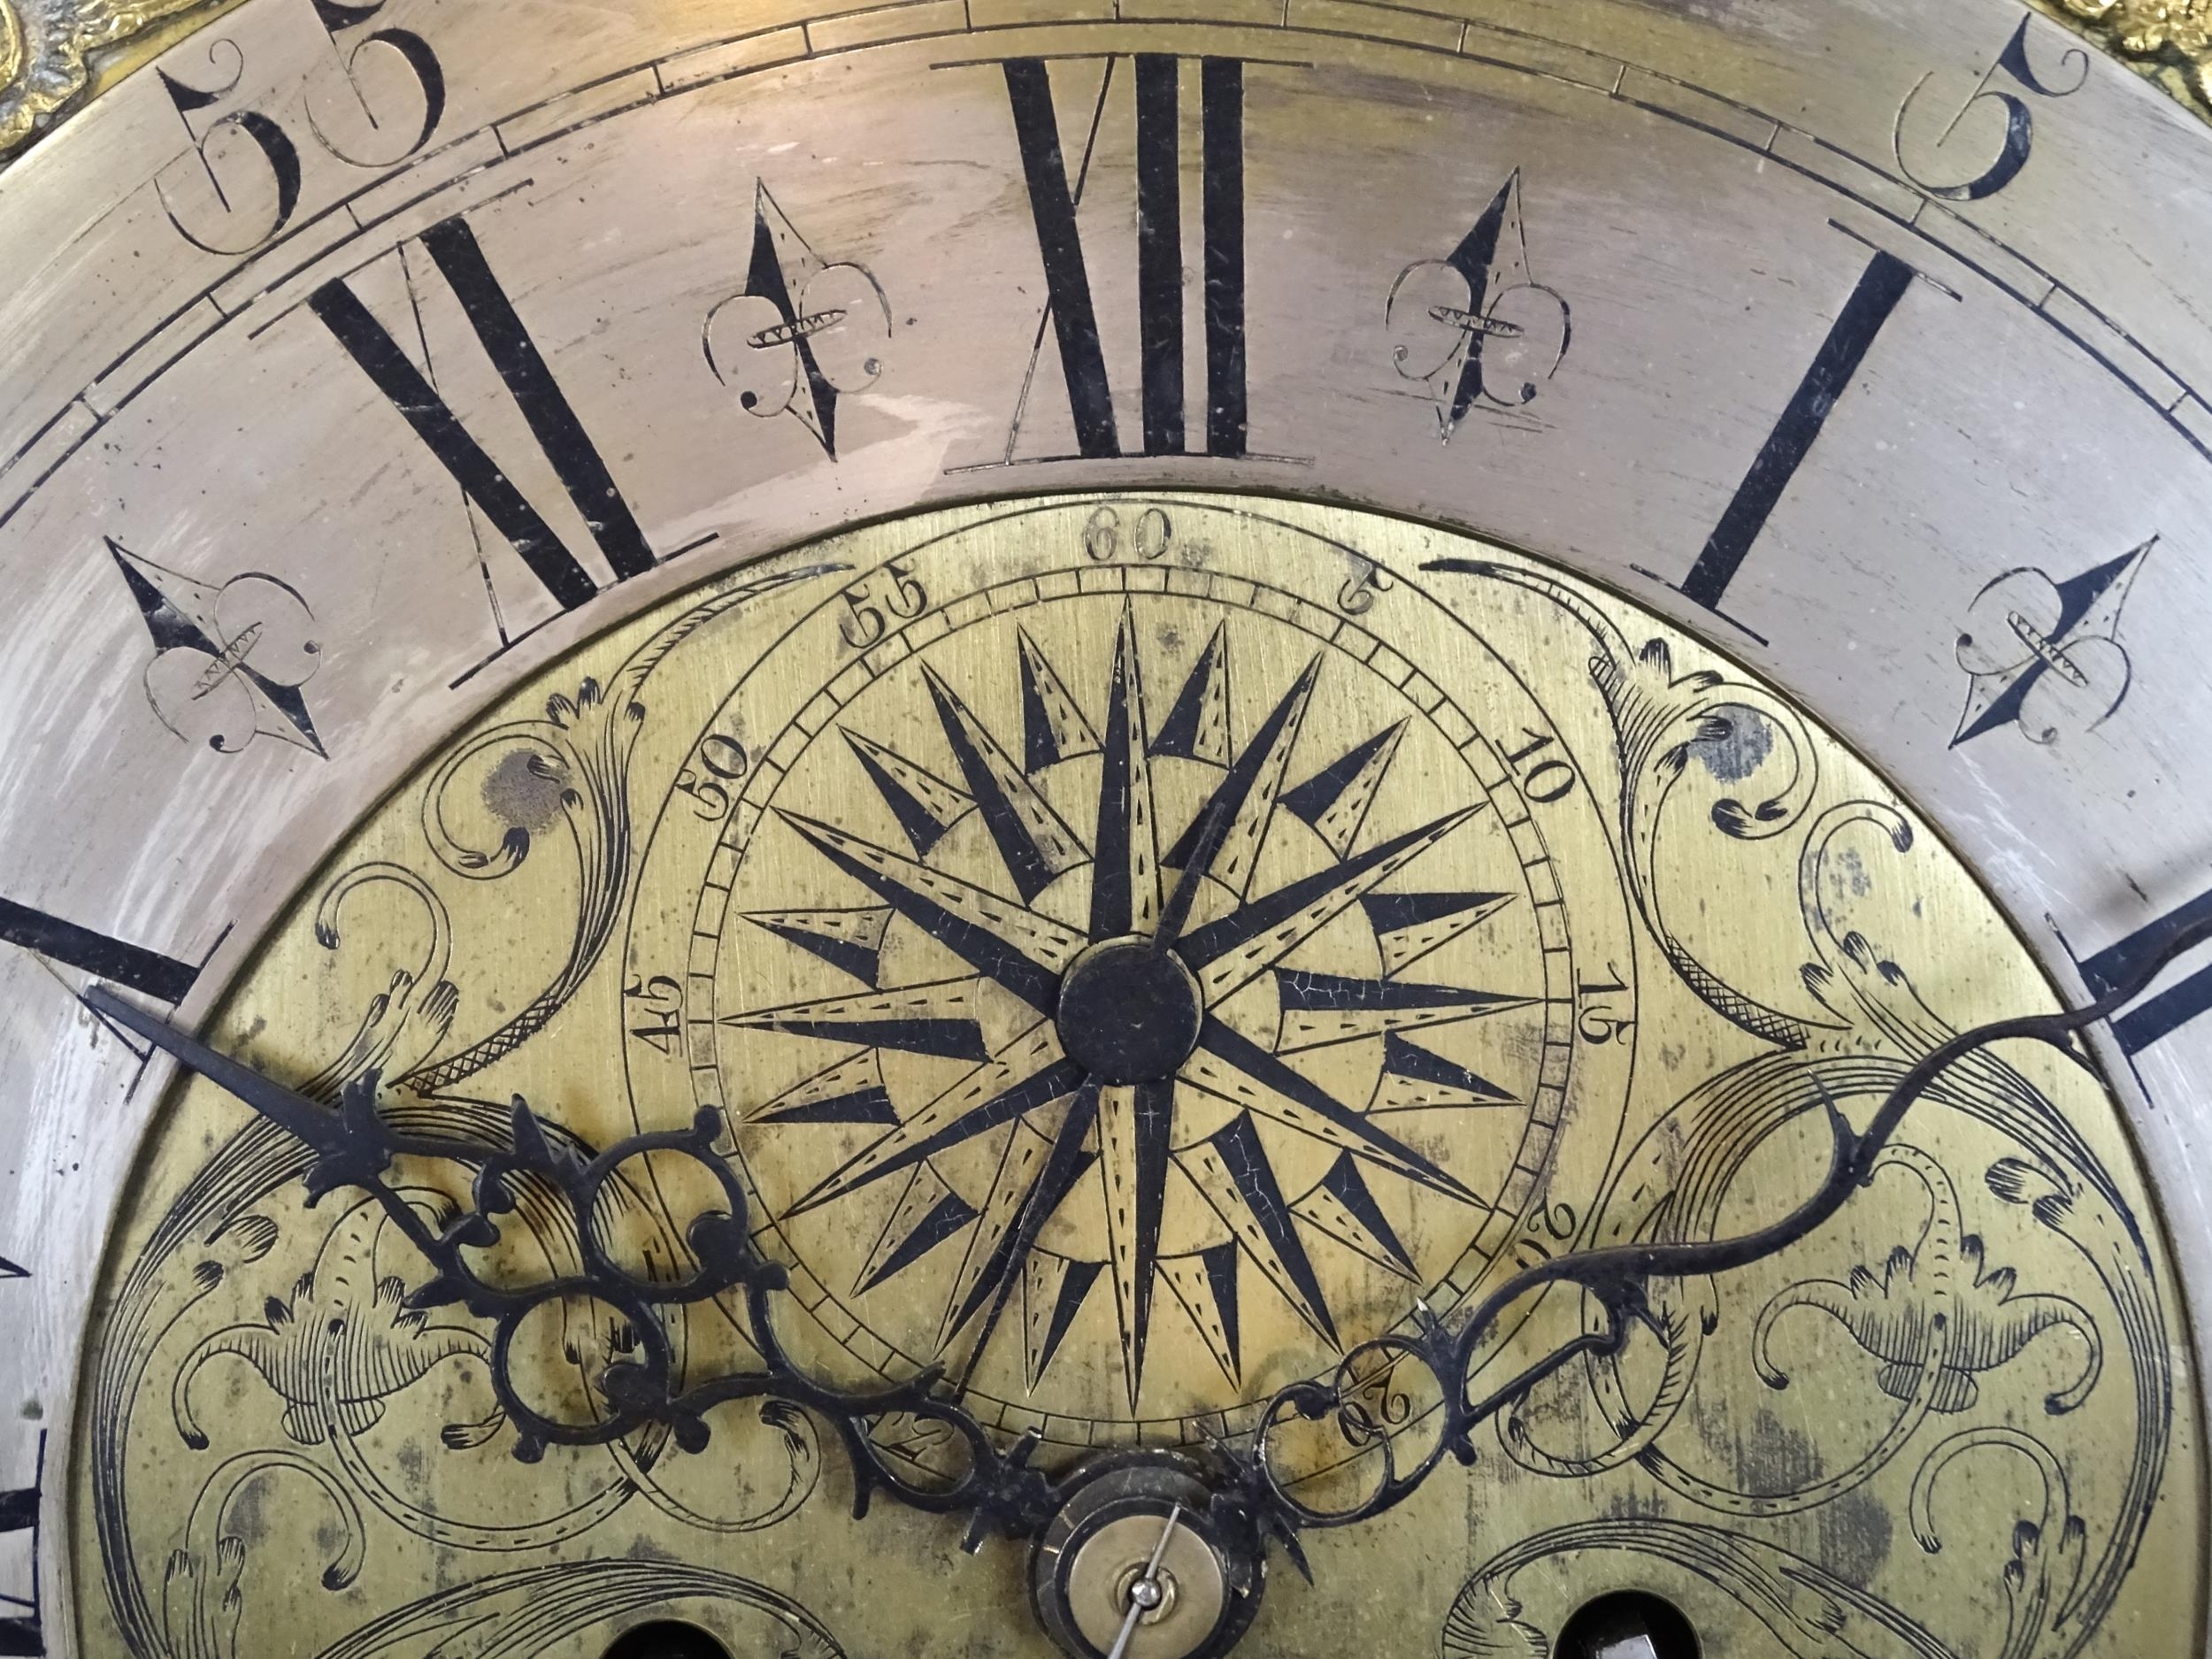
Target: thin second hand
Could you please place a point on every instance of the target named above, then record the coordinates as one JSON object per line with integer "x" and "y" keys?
{"x": 1138, "y": 1606}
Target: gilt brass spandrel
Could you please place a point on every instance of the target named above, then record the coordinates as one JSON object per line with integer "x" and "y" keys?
{"x": 51, "y": 55}
{"x": 681, "y": 867}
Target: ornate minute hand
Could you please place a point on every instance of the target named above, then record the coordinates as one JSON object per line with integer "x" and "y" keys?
{"x": 355, "y": 1146}
{"x": 1617, "y": 1275}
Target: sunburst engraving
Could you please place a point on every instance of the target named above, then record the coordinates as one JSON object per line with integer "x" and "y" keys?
{"x": 1176, "y": 1028}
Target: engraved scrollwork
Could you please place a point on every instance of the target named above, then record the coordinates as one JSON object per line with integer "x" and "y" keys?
{"x": 571, "y": 766}
{"x": 547, "y": 1603}
{"x": 1936, "y": 1320}
{"x": 1897, "y": 1317}
{"x": 564, "y": 1292}
{"x": 1813, "y": 1613}
{"x": 341, "y": 1344}
{"x": 340, "y": 1347}
{"x": 1660, "y": 718}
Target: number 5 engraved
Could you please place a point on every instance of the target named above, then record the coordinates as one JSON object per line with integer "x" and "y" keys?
{"x": 238, "y": 184}
{"x": 2019, "y": 134}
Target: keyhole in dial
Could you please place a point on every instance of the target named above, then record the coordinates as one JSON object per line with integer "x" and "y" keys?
{"x": 666, "y": 1639}
{"x": 1627, "y": 1624}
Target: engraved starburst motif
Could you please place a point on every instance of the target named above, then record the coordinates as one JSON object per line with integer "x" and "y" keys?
{"x": 1143, "y": 1005}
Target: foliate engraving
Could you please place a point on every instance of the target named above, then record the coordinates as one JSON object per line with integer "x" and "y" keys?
{"x": 2046, "y": 656}
{"x": 1132, "y": 995}
{"x": 802, "y": 332}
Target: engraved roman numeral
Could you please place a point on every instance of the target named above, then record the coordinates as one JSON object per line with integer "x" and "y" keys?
{"x": 1074, "y": 318}
{"x": 22, "y": 1633}
{"x": 1873, "y": 301}
{"x": 2171, "y": 1009}
{"x": 162, "y": 977}
{"x": 453, "y": 249}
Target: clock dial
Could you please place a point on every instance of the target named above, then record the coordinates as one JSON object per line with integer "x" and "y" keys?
{"x": 1194, "y": 758}
{"x": 1128, "y": 958}
{"x": 1130, "y": 926}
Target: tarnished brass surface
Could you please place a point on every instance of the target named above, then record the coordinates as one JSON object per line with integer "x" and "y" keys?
{"x": 1643, "y": 919}
{"x": 2167, "y": 40}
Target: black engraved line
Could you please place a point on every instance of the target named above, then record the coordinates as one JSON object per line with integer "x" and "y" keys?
{"x": 1228, "y": 409}
{"x": 453, "y": 248}
{"x": 162, "y": 977}
{"x": 24, "y": 1636}
{"x": 583, "y": 473}
{"x": 1067, "y": 283}
{"x": 1873, "y": 299}
{"x": 476, "y": 204}
{"x": 2165, "y": 408}
{"x": 2119, "y": 964}
{"x": 213, "y": 296}
{"x": 1160, "y": 249}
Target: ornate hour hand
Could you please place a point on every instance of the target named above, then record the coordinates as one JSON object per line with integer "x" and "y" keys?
{"x": 354, "y": 1148}
{"x": 1019, "y": 1040}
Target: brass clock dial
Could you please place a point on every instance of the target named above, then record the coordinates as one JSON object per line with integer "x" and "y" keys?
{"x": 1323, "y": 826}
{"x": 1128, "y": 960}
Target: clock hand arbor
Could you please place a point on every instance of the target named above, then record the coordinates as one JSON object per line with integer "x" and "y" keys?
{"x": 1248, "y": 1501}
{"x": 1146, "y": 1593}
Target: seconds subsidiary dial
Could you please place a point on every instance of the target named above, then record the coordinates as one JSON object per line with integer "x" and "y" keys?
{"x": 1136, "y": 917}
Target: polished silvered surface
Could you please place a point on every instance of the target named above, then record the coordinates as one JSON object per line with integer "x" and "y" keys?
{"x": 2018, "y": 455}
